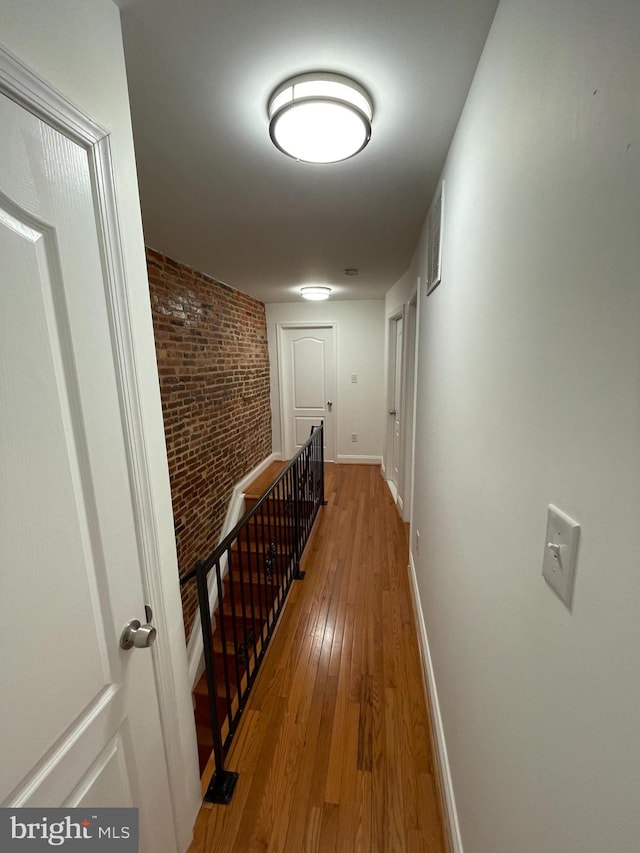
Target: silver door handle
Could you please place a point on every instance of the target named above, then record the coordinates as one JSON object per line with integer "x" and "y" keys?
{"x": 135, "y": 634}
{"x": 329, "y": 404}
{"x": 392, "y": 412}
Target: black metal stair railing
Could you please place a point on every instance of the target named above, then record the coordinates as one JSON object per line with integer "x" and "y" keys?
{"x": 245, "y": 582}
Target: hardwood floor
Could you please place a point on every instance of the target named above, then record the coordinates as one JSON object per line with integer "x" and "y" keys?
{"x": 334, "y": 750}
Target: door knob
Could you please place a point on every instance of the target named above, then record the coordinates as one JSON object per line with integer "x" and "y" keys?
{"x": 329, "y": 404}
{"x": 135, "y": 634}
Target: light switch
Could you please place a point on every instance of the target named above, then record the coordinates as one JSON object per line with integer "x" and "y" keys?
{"x": 354, "y": 378}
{"x": 560, "y": 552}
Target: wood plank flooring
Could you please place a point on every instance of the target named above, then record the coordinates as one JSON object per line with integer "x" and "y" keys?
{"x": 334, "y": 750}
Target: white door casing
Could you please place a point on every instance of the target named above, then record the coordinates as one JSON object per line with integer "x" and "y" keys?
{"x": 306, "y": 372}
{"x": 396, "y": 400}
{"x": 409, "y": 404}
{"x": 395, "y": 373}
{"x": 80, "y": 717}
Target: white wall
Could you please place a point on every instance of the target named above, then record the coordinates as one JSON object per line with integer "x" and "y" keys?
{"x": 400, "y": 293}
{"x": 76, "y": 46}
{"x": 529, "y": 394}
{"x": 359, "y": 407}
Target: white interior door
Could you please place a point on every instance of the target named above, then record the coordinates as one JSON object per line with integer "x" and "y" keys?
{"x": 395, "y": 401}
{"x": 79, "y": 716}
{"x": 307, "y": 385}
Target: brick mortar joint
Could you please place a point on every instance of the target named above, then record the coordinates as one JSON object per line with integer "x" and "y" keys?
{"x": 211, "y": 345}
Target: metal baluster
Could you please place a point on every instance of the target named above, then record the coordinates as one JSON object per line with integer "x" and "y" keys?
{"x": 223, "y": 638}
{"x": 270, "y": 559}
{"x": 234, "y": 628}
{"x": 322, "y": 495}
{"x": 224, "y": 781}
{"x": 290, "y": 528}
{"x": 255, "y": 610}
{"x": 255, "y": 564}
{"x": 248, "y": 640}
{"x": 298, "y": 574}
{"x": 263, "y": 570}
{"x": 279, "y": 537}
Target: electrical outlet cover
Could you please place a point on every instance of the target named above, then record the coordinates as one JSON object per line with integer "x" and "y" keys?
{"x": 560, "y": 552}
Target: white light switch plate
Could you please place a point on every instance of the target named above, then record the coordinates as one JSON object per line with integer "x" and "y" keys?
{"x": 560, "y": 552}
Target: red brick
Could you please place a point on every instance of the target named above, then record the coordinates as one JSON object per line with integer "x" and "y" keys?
{"x": 213, "y": 363}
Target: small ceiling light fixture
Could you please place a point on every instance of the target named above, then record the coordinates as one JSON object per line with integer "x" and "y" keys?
{"x": 320, "y": 117}
{"x": 315, "y": 292}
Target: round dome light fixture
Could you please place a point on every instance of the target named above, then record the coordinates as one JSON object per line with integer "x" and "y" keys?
{"x": 315, "y": 292}
{"x": 320, "y": 117}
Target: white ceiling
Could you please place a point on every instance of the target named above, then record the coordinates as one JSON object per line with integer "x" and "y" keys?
{"x": 217, "y": 195}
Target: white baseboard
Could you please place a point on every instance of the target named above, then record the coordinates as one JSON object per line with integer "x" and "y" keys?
{"x": 392, "y": 488}
{"x": 235, "y": 511}
{"x": 451, "y": 814}
{"x": 359, "y": 460}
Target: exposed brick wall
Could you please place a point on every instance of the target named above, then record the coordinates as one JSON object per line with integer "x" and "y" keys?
{"x": 211, "y": 347}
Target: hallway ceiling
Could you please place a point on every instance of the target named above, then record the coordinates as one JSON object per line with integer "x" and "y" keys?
{"x": 218, "y": 196}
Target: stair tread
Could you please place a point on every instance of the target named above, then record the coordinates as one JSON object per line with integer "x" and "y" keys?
{"x": 259, "y": 486}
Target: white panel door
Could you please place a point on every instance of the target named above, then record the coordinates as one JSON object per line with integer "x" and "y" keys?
{"x": 307, "y": 386}
{"x": 79, "y": 716}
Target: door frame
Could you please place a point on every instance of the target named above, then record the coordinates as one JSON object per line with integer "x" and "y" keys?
{"x": 309, "y": 324}
{"x": 392, "y": 318}
{"x": 159, "y": 573}
{"x": 411, "y": 379}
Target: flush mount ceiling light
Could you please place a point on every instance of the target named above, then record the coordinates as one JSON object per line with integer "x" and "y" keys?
{"x": 320, "y": 117}
{"x": 315, "y": 292}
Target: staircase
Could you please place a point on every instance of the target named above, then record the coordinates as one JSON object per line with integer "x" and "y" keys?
{"x": 247, "y": 610}
{"x": 242, "y": 587}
